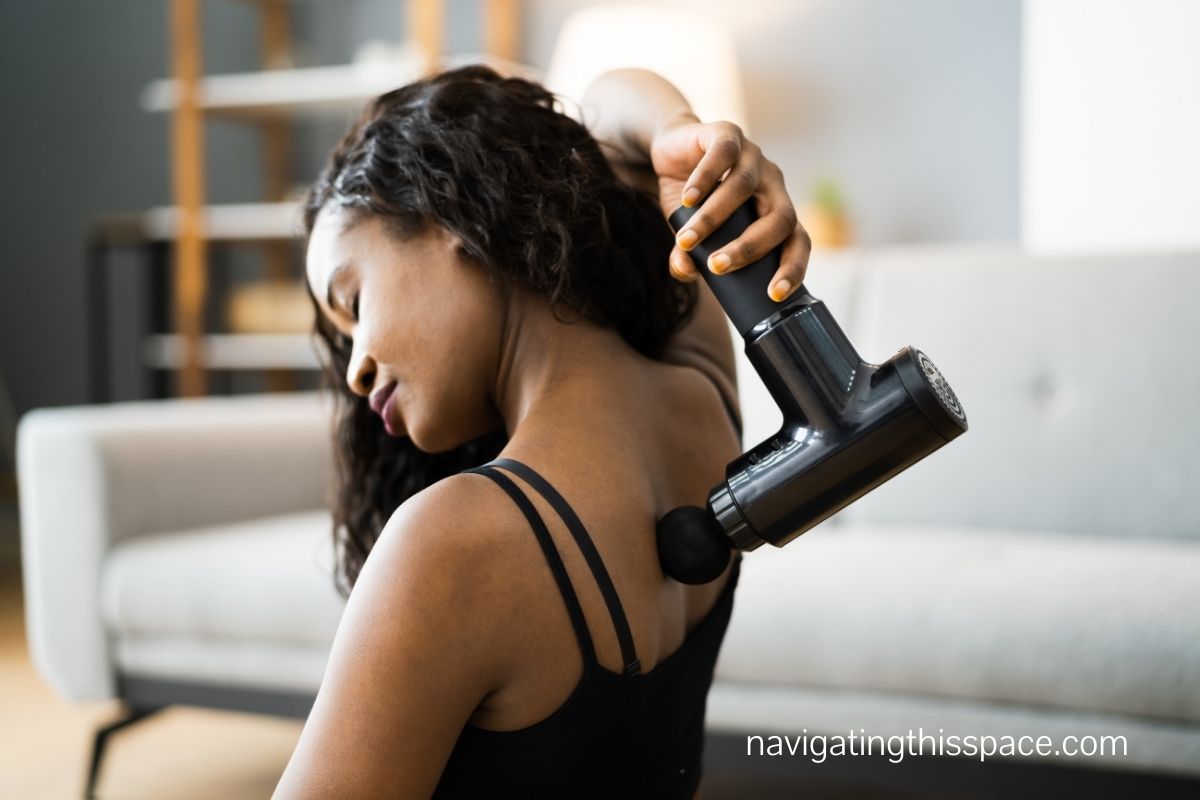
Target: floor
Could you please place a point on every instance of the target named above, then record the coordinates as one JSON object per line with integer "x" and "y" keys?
{"x": 46, "y": 741}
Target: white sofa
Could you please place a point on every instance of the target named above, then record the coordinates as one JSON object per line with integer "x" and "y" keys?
{"x": 1039, "y": 575}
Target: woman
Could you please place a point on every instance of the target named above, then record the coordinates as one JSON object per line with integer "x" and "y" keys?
{"x": 490, "y": 291}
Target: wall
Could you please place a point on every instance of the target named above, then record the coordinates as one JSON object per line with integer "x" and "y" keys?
{"x": 1111, "y": 118}
{"x": 911, "y": 105}
{"x": 75, "y": 144}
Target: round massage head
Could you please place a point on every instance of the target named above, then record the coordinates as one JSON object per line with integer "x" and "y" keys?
{"x": 692, "y": 548}
{"x": 941, "y": 387}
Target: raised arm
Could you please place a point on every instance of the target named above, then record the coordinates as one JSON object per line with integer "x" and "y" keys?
{"x": 656, "y": 143}
{"x": 624, "y": 109}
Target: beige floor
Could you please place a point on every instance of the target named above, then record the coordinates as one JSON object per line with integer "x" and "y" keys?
{"x": 45, "y": 742}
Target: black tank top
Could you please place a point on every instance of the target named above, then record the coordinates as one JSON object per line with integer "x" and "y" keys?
{"x": 617, "y": 735}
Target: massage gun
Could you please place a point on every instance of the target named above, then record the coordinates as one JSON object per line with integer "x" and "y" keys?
{"x": 848, "y": 426}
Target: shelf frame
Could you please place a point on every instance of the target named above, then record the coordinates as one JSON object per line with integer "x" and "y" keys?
{"x": 269, "y": 99}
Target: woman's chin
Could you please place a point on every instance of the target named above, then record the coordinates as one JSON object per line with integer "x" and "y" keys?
{"x": 431, "y": 445}
{"x": 393, "y": 425}
{"x": 423, "y": 437}
{"x": 441, "y": 433}
{"x": 434, "y": 439}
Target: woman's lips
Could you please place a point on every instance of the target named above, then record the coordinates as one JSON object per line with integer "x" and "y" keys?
{"x": 381, "y": 402}
{"x": 386, "y": 413}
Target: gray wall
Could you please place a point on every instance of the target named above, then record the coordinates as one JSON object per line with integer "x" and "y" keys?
{"x": 74, "y": 144}
{"x": 912, "y": 105}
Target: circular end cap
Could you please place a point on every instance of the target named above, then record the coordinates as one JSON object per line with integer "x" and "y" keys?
{"x": 941, "y": 388}
{"x": 691, "y": 547}
{"x": 932, "y": 393}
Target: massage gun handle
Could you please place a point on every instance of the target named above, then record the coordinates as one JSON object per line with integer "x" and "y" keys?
{"x": 742, "y": 292}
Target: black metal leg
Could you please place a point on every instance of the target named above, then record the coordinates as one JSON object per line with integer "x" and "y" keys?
{"x": 95, "y": 281}
{"x": 158, "y": 283}
{"x": 101, "y": 739}
{"x": 220, "y": 269}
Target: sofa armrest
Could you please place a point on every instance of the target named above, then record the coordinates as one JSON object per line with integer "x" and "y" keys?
{"x": 91, "y": 476}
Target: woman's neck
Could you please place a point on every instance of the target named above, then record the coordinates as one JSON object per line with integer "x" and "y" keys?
{"x": 547, "y": 366}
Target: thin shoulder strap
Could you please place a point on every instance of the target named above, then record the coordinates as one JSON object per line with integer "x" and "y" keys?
{"x": 556, "y": 565}
{"x": 628, "y": 654}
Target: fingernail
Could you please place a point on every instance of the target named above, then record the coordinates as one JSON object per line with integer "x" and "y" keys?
{"x": 780, "y": 290}
{"x": 719, "y": 263}
{"x": 687, "y": 239}
{"x": 690, "y": 196}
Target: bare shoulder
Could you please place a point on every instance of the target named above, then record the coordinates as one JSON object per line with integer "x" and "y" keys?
{"x": 419, "y": 647}
{"x": 453, "y": 520}
{"x": 456, "y": 545}
{"x": 457, "y": 533}
{"x": 441, "y": 581}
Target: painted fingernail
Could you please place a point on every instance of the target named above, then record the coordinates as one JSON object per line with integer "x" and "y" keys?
{"x": 719, "y": 263}
{"x": 687, "y": 239}
{"x": 780, "y": 290}
{"x": 690, "y": 196}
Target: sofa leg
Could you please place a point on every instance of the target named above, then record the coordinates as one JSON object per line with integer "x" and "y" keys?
{"x": 101, "y": 739}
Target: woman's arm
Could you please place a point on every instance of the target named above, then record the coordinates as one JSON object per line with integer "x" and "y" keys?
{"x": 655, "y": 143}
{"x": 648, "y": 127}
{"x": 624, "y": 109}
{"x": 424, "y": 638}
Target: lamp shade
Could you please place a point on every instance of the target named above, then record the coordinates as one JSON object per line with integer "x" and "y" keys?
{"x": 687, "y": 49}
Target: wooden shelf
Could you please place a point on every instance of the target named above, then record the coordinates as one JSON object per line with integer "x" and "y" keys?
{"x": 229, "y": 222}
{"x": 236, "y": 351}
{"x": 314, "y": 90}
{"x": 269, "y": 100}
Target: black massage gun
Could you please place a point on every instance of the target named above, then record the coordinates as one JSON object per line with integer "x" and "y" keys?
{"x": 848, "y": 426}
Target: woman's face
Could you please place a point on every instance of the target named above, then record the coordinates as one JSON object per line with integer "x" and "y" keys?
{"x": 422, "y": 319}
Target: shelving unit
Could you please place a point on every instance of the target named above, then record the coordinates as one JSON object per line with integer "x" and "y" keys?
{"x": 305, "y": 90}
{"x": 269, "y": 99}
{"x": 151, "y": 235}
{"x": 234, "y": 351}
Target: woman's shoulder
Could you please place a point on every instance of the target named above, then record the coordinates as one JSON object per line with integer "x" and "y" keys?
{"x": 461, "y": 515}
{"x": 455, "y": 540}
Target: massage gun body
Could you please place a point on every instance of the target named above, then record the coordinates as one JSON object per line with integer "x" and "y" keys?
{"x": 848, "y": 426}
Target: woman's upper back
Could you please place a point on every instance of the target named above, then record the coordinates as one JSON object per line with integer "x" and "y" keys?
{"x": 613, "y": 660}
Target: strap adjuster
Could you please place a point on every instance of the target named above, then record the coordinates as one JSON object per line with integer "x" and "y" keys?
{"x": 633, "y": 668}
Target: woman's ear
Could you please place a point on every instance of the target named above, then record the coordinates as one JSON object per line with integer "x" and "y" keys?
{"x": 459, "y": 250}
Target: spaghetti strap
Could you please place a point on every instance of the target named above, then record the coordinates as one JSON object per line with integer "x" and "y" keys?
{"x": 578, "y": 621}
{"x": 633, "y": 666}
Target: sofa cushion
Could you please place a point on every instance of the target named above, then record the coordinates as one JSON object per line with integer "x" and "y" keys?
{"x": 765, "y": 709}
{"x": 1075, "y": 376}
{"x": 1065, "y": 621}
{"x": 252, "y": 603}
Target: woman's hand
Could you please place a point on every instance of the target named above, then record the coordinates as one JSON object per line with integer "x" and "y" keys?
{"x": 689, "y": 157}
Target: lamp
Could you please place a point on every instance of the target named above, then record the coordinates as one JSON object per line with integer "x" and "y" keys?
{"x": 688, "y": 50}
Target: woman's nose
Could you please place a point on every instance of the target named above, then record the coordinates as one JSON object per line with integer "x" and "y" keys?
{"x": 360, "y": 375}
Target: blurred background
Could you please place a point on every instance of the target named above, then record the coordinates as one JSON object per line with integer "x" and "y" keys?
{"x": 1049, "y": 127}
{"x": 911, "y": 110}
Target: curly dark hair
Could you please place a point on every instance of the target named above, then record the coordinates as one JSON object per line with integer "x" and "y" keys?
{"x": 526, "y": 188}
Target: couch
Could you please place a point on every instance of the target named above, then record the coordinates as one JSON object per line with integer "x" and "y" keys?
{"x": 1038, "y": 576}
